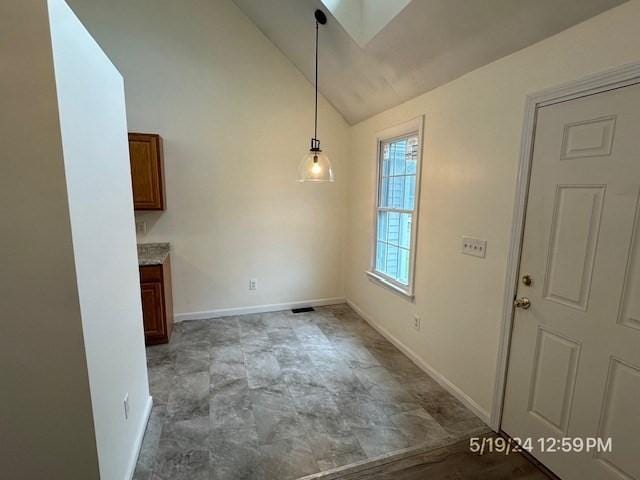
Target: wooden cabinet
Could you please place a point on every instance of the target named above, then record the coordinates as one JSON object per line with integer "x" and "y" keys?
{"x": 157, "y": 305}
{"x": 153, "y": 311}
{"x": 147, "y": 171}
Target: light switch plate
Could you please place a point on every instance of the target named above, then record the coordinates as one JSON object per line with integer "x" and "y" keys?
{"x": 474, "y": 246}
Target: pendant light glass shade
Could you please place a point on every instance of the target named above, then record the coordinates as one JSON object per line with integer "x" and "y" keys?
{"x": 315, "y": 167}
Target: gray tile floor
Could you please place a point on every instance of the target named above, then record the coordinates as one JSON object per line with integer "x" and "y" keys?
{"x": 279, "y": 396}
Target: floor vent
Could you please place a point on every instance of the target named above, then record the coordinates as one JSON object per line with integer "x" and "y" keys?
{"x": 302, "y": 310}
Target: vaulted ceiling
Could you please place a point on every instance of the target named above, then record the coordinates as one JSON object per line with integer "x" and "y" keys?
{"x": 427, "y": 44}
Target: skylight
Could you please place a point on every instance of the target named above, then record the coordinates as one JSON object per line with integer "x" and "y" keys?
{"x": 363, "y": 19}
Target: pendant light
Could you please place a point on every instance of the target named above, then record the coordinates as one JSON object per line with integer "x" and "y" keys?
{"x": 315, "y": 166}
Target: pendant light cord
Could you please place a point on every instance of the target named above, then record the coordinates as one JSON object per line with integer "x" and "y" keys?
{"x": 315, "y": 131}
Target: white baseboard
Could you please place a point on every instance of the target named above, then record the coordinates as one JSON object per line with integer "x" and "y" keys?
{"x": 428, "y": 369}
{"x": 274, "y": 307}
{"x": 139, "y": 437}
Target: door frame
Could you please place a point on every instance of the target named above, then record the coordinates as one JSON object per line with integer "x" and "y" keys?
{"x": 618, "y": 77}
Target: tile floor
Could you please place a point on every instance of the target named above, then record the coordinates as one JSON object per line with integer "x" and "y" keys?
{"x": 279, "y": 396}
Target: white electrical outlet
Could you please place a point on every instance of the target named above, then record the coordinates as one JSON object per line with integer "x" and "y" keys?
{"x": 253, "y": 284}
{"x": 416, "y": 322}
{"x": 126, "y": 406}
{"x": 141, "y": 227}
{"x": 474, "y": 246}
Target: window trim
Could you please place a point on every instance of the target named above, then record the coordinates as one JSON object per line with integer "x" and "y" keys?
{"x": 413, "y": 126}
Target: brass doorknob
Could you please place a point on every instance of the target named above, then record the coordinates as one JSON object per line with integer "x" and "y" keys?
{"x": 523, "y": 303}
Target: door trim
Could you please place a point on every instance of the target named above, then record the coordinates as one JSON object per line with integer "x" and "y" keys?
{"x": 618, "y": 77}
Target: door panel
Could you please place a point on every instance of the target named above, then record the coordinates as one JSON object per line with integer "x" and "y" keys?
{"x": 574, "y": 237}
{"x": 618, "y": 420}
{"x": 590, "y": 138}
{"x": 556, "y": 362}
{"x": 630, "y": 302}
{"x": 573, "y": 364}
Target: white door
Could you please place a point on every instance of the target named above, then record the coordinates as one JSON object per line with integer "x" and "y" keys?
{"x": 574, "y": 365}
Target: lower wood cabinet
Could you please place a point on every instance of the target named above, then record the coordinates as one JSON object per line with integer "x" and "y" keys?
{"x": 157, "y": 305}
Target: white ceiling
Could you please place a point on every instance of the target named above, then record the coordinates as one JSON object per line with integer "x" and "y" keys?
{"x": 429, "y": 43}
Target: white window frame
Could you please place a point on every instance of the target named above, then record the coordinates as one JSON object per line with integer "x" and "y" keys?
{"x": 413, "y": 126}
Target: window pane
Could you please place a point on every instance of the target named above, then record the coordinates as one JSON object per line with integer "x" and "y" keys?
{"x": 398, "y": 173}
{"x": 393, "y": 228}
{"x": 382, "y": 226}
{"x": 403, "y": 266}
{"x": 409, "y": 192}
{"x": 390, "y": 148}
{"x": 386, "y": 164}
{"x": 392, "y": 192}
{"x": 392, "y": 261}
{"x": 381, "y": 255}
{"x": 384, "y": 191}
{"x": 396, "y": 192}
{"x": 412, "y": 155}
{"x": 405, "y": 230}
{"x": 399, "y": 149}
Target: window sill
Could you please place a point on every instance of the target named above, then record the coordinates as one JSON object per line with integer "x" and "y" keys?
{"x": 408, "y": 294}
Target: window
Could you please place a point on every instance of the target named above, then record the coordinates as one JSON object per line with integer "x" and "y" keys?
{"x": 396, "y": 208}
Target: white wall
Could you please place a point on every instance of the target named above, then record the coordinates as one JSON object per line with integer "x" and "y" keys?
{"x": 71, "y": 340}
{"x": 96, "y": 160}
{"x": 471, "y": 147}
{"x": 46, "y": 425}
{"x": 236, "y": 118}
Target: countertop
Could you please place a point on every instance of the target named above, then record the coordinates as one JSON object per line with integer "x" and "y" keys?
{"x": 152, "y": 253}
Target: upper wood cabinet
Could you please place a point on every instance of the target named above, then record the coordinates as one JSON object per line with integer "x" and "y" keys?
{"x": 147, "y": 171}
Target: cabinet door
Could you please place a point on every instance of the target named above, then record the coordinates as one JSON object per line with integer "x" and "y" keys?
{"x": 147, "y": 175}
{"x": 153, "y": 312}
